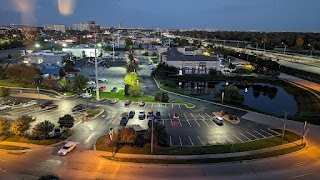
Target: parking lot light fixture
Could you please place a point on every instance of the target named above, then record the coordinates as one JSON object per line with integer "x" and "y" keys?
{"x": 96, "y": 67}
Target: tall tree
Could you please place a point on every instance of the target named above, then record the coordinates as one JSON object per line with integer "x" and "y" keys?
{"x": 299, "y": 41}
{"x": 79, "y": 82}
{"x": 4, "y": 92}
{"x": 131, "y": 78}
{"x": 135, "y": 90}
{"x": 49, "y": 82}
{"x": 126, "y": 136}
{"x": 26, "y": 75}
{"x": 64, "y": 84}
{"x": 42, "y": 129}
{"x": 19, "y": 127}
{"x": 4, "y": 126}
{"x": 66, "y": 121}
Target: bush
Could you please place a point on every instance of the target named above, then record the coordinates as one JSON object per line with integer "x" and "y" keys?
{"x": 4, "y": 126}
{"x": 42, "y": 130}
{"x": 161, "y": 96}
{"x": 20, "y": 126}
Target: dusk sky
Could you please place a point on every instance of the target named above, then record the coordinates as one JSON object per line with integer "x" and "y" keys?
{"x": 264, "y": 15}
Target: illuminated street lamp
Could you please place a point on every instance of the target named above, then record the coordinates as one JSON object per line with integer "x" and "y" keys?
{"x": 285, "y": 48}
{"x": 311, "y": 49}
{"x": 37, "y": 45}
{"x": 64, "y": 45}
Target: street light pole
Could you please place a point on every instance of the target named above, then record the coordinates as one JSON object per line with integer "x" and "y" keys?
{"x": 284, "y": 127}
{"x": 152, "y": 137}
{"x": 96, "y": 66}
{"x": 285, "y": 48}
{"x": 311, "y": 49}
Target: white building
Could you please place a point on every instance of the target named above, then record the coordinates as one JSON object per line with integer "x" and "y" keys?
{"x": 81, "y": 27}
{"x": 82, "y": 49}
{"x": 46, "y": 57}
{"x": 55, "y": 27}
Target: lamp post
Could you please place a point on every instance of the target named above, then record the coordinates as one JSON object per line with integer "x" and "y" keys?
{"x": 285, "y": 48}
{"x": 311, "y": 49}
{"x": 264, "y": 46}
{"x": 284, "y": 127}
{"x": 96, "y": 66}
{"x": 152, "y": 136}
{"x": 257, "y": 46}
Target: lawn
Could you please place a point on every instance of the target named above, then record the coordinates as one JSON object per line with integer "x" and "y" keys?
{"x": 9, "y": 147}
{"x": 120, "y": 95}
{"x": 103, "y": 145}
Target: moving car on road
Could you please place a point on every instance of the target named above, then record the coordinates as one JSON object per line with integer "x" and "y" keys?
{"x": 115, "y": 100}
{"x": 5, "y": 107}
{"x": 51, "y": 106}
{"x": 30, "y": 103}
{"x": 45, "y": 104}
{"x": 67, "y": 148}
{"x": 103, "y": 80}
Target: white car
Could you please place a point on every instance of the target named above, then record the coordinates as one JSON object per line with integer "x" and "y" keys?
{"x": 5, "y": 107}
{"x": 86, "y": 95}
{"x": 103, "y": 80}
{"x": 218, "y": 120}
{"x": 30, "y": 103}
{"x": 67, "y": 148}
{"x": 91, "y": 82}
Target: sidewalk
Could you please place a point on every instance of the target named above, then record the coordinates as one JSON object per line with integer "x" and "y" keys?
{"x": 205, "y": 156}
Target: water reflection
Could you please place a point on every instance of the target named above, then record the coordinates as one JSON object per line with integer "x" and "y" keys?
{"x": 261, "y": 96}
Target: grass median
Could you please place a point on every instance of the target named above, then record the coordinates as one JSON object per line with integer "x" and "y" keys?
{"x": 9, "y": 147}
{"x": 121, "y": 96}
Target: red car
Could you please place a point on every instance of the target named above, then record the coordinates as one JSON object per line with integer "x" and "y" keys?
{"x": 51, "y": 106}
{"x": 102, "y": 88}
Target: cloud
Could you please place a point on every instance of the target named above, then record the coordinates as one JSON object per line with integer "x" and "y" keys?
{"x": 25, "y": 8}
{"x": 66, "y": 7}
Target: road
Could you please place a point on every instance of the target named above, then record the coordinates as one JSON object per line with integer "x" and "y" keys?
{"x": 83, "y": 163}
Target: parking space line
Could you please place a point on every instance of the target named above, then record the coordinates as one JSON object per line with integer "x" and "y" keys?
{"x": 195, "y": 120}
{"x": 170, "y": 141}
{"x": 259, "y": 133}
{"x": 245, "y": 136}
{"x": 208, "y": 116}
{"x": 187, "y": 119}
{"x": 252, "y": 135}
{"x": 203, "y": 120}
{"x": 180, "y": 141}
{"x": 191, "y": 141}
{"x": 162, "y": 121}
{"x": 200, "y": 140}
{"x": 230, "y": 140}
{"x": 172, "y": 106}
{"x": 237, "y": 137}
{"x": 180, "y": 122}
{"x": 151, "y": 104}
{"x": 170, "y": 120}
{"x": 266, "y": 132}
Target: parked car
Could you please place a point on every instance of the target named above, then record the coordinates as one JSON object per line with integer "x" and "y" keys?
{"x": 114, "y": 89}
{"x": 218, "y": 120}
{"x": 127, "y": 102}
{"x": 102, "y": 88}
{"x": 103, "y": 80}
{"x": 142, "y": 115}
{"x": 124, "y": 120}
{"x": 78, "y": 108}
{"x": 51, "y": 106}
{"x": 150, "y": 113}
{"x": 30, "y": 103}
{"x": 89, "y": 89}
{"x": 45, "y": 104}
{"x": 67, "y": 148}
{"x": 175, "y": 116}
{"x": 91, "y": 82}
{"x": 69, "y": 76}
{"x": 86, "y": 95}
{"x": 4, "y": 107}
{"x": 158, "y": 115}
{"x": 115, "y": 100}
{"x": 142, "y": 103}
{"x": 131, "y": 114}
{"x": 28, "y": 118}
{"x": 149, "y": 63}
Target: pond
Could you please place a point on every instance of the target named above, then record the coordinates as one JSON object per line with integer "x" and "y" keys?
{"x": 261, "y": 96}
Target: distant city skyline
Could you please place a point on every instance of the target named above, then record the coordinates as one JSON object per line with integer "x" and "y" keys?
{"x": 259, "y": 15}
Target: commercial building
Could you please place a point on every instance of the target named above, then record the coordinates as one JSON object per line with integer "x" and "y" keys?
{"x": 82, "y": 50}
{"x": 80, "y": 27}
{"x": 55, "y": 27}
{"x": 188, "y": 61}
{"x": 56, "y": 58}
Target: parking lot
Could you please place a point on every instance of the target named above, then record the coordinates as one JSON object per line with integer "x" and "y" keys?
{"x": 195, "y": 126}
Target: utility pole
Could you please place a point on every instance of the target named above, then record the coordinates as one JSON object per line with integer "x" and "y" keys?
{"x": 96, "y": 66}
{"x": 304, "y": 130}
{"x": 284, "y": 127}
{"x": 152, "y": 136}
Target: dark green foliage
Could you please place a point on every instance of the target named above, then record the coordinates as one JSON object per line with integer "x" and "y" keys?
{"x": 161, "y": 96}
{"x": 4, "y": 92}
{"x": 42, "y": 130}
{"x": 160, "y": 133}
{"x": 49, "y": 177}
{"x": 66, "y": 121}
